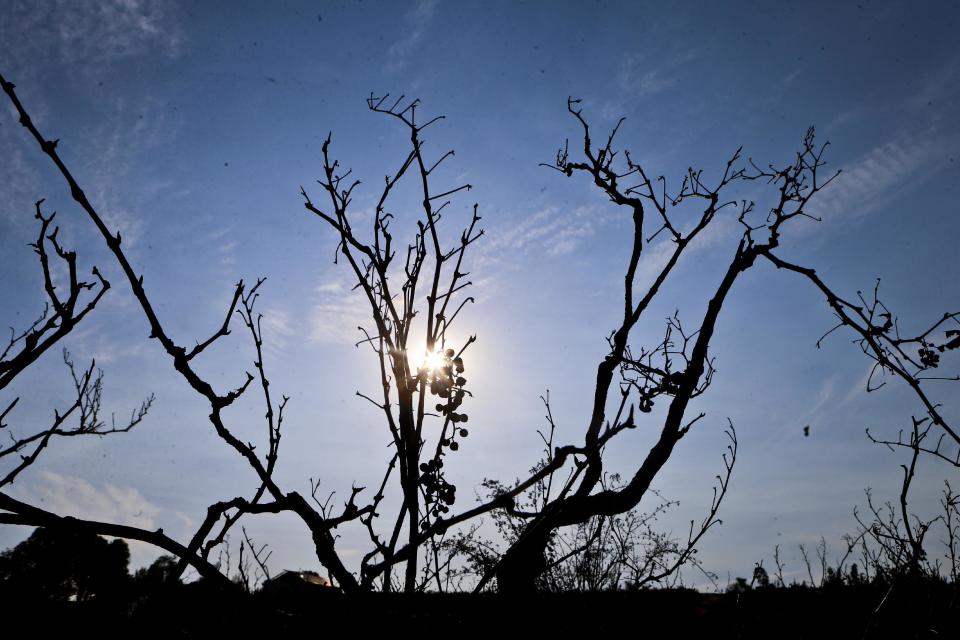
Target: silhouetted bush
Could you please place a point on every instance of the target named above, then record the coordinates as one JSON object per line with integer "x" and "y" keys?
{"x": 63, "y": 565}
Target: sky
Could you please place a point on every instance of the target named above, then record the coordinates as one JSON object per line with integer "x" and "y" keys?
{"x": 192, "y": 127}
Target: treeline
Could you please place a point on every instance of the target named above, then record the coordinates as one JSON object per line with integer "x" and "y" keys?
{"x": 54, "y": 582}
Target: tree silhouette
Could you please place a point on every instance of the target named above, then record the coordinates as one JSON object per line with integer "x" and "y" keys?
{"x": 679, "y": 368}
{"x": 60, "y": 564}
{"x": 409, "y": 388}
{"x": 60, "y": 315}
{"x": 161, "y": 572}
{"x": 415, "y": 294}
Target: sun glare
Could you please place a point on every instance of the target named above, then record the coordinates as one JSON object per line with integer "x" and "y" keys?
{"x": 432, "y": 360}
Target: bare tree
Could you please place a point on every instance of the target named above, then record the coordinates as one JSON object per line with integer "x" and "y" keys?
{"x": 602, "y": 553}
{"x": 680, "y": 368}
{"x": 896, "y": 543}
{"x": 422, "y": 375}
{"x": 430, "y": 269}
{"x": 60, "y": 315}
{"x": 267, "y": 496}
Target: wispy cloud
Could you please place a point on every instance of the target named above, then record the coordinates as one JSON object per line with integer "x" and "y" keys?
{"x": 81, "y": 38}
{"x": 549, "y": 231}
{"x": 19, "y": 185}
{"x": 552, "y": 232}
{"x": 72, "y": 496}
{"x": 871, "y": 180}
{"x": 105, "y": 155}
{"x": 112, "y": 154}
{"x": 92, "y": 342}
{"x": 68, "y": 495}
{"x": 415, "y": 24}
{"x": 277, "y": 328}
{"x": 869, "y": 380}
{"x": 637, "y": 81}
{"x": 655, "y": 256}
{"x": 637, "y": 77}
{"x": 227, "y": 256}
{"x": 87, "y": 35}
{"x": 337, "y": 312}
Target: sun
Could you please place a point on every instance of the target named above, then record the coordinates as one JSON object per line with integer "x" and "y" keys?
{"x": 432, "y": 360}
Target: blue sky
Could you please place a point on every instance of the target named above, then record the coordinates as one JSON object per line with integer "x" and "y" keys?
{"x": 192, "y": 127}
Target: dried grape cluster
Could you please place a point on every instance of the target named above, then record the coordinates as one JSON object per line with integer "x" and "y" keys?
{"x": 446, "y": 381}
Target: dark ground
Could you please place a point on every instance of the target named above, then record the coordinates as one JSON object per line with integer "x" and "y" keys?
{"x": 192, "y": 611}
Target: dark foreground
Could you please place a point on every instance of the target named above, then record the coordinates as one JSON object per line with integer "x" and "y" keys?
{"x": 193, "y": 611}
